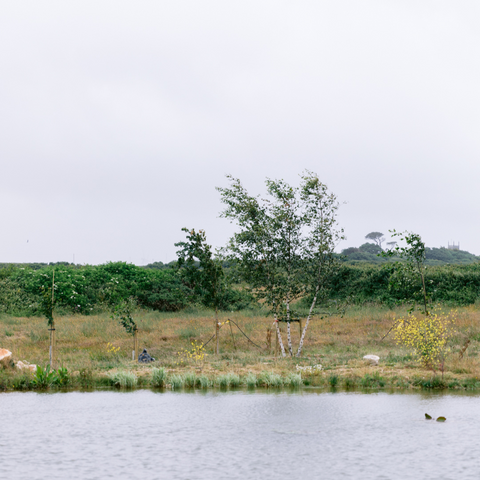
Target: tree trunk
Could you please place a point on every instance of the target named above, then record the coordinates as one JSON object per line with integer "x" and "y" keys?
{"x": 289, "y": 337}
{"x": 279, "y": 336}
{"x": 300, "y": 346}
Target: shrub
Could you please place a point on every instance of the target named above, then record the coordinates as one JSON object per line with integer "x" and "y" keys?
{"x": 333, "y": 380}
{"x": 428, "y": 336}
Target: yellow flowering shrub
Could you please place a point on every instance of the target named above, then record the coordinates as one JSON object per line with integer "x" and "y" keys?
{"x": 196, "y": 353}
{"x": 427, "y": 335}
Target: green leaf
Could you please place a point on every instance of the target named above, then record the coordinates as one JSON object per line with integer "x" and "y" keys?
{"x": 427, "y": 417}
{"x": 441, "y": 419}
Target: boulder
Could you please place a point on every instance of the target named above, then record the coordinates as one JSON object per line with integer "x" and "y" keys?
{"x": 4, "y": 354}
{"x": 5, "y": 357}
{"x": 144, "y": 357}
{"x": 372, "y": 359}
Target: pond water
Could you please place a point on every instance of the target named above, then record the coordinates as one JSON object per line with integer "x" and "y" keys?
{"x": 215, "y": 435}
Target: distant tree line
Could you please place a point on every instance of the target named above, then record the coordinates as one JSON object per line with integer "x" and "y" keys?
{"x": 369, "y": 253}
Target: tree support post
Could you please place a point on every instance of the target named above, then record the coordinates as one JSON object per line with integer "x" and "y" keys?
{"x": 135, "y": 344}
{"x": 52, "y": 345}
{"x": 233, "y": 338}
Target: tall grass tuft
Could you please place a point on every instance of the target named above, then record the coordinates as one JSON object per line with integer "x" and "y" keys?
{"x": 159, "y": 376}
{"x": 222, "y": 381}
{"x": 190, "y": 379}
{"x": 228, "y": 380}
{"x": 233, "y": 380}
{"x": 177, "y": 382}
{"x": 203, "y": 381}
{"x": 294, "y": 380}
{"x": 123, "y": 379}
{"x": 251, "y": 380}
{"x": 270, "y": 379}
{"x": 350, "y": 382}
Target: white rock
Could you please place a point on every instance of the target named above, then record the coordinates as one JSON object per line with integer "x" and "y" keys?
{"x": 26, "y": 366}
{"x": 373, "y": 359}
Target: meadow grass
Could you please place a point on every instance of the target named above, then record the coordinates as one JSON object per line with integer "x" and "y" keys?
{"x": 84, "y": 347}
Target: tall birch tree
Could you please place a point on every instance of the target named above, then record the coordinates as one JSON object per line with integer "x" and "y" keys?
{"x": 284, "y": 246}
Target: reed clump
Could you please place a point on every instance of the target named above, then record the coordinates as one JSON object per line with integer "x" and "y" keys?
{"x": 123, "y": 379}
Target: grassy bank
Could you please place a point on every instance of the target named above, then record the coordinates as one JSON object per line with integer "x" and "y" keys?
{"x": 96, "y": 352}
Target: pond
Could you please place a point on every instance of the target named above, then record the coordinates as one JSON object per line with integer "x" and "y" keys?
{"x": 238, "y": 435}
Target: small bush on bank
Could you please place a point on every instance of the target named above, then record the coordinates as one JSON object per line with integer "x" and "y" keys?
{"x": 372, "y": 381}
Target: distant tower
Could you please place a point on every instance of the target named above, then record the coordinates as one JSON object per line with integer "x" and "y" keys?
{"x": 454, "y": 246}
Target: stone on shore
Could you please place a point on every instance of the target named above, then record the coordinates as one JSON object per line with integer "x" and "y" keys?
{"x": 26, "y": 366}
{"x": 5, "y": 357}
{"x": 372, "y": 359}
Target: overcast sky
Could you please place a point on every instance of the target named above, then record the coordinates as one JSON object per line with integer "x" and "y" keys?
{"x": 118, "y": 119}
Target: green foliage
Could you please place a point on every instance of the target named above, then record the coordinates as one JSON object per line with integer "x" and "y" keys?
{"x": 414, "y": 254}
{"x": 201, "y": 271}
{"x": 333, "y": 380}
{"x": 370, "y": 248}
{"x": 372, "y": 381}
{"x": 44, "y": 377}
{"x": 63, "y": 378}
{"x": 122, "y": 313}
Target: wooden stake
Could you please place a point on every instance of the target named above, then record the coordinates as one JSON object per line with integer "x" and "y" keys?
{"x": 135, "y": 344}
{"x": 217, "y": 328}
{"x": 52, "y": 327}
